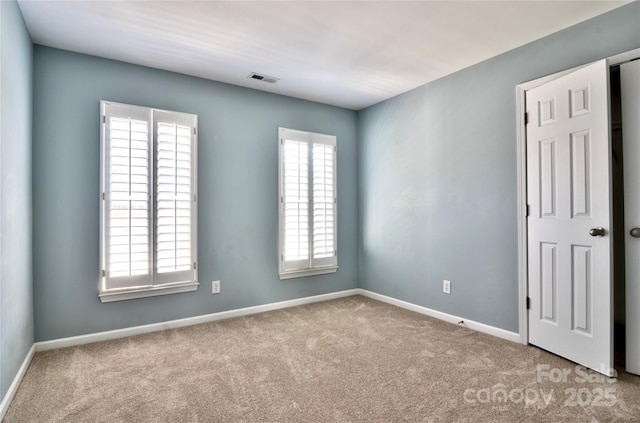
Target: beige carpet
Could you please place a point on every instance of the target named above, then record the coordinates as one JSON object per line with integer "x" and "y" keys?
{"x": 347, "y": 360}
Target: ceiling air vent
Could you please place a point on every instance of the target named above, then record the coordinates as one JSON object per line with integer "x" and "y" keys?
{"x": 263, "y": 78}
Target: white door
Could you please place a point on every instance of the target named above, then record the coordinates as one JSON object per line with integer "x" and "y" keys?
{"x": 630, "y": 96}
{"x": 569, "y": 196}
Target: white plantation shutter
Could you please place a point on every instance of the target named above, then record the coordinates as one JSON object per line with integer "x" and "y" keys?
{"x": 324, "y": 204}
{"x": 307, "y": 203}
{"x": 148, "y": 205}
{"x": 295, "y": 201}
{"x": 127, "y": 208}
{"x": 174, "y": 195}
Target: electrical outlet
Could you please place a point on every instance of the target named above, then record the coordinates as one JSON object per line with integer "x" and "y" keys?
{"x": 446, "y": 286}
{"x": 215, "y": 287}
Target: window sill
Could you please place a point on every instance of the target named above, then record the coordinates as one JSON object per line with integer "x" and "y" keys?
{"x": 307, "y": 272}
{"x": 121, "y": 294}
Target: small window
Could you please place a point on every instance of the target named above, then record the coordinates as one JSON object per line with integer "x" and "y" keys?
{"x": 308, "y": 201}
{"x": 148, "y": 210}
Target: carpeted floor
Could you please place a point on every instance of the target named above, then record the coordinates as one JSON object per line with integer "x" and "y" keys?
{"x": 346, "y": 360}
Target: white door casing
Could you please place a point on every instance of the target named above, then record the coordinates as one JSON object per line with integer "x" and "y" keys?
{"x": 569, "y": 193}
{"x": 630, "y": 96}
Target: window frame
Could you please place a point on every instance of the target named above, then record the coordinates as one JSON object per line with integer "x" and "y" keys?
{"x": 316, "y": 266}
{"x": 135, "y": 287}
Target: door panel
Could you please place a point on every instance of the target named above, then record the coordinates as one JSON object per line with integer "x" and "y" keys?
{"x": 568, "y": 191}
{"x": 581, "y": 289}
{"x": 580, "y": 174}
{"x": 548, "y": 181}
{"x": 630, "y": 96}
{"x": 549, "y": 283}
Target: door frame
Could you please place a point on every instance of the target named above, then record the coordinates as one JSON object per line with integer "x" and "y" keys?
{"x": 521, "y": 137}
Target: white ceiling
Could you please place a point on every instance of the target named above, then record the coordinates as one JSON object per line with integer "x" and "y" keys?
{"x": 350, "y": 54}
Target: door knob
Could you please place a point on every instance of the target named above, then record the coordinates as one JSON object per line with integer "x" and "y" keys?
{"x": 635, "y": 232}
{"x": 599, "y": 232}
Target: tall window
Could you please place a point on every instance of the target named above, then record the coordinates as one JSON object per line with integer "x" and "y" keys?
{"x": 148, "y": 212}
{"x": 307, "y": 187}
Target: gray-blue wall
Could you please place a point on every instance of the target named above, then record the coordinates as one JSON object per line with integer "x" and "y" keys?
{"x": 16, "y": 310}
{"x": 437, "y": 176}
{"x": 237, "y": 201}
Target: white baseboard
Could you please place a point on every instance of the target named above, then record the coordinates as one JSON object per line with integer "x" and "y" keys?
{"x": 173, "y": 324}
{"x": 469, "y": 324}
{"x": 13, "y": 388}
